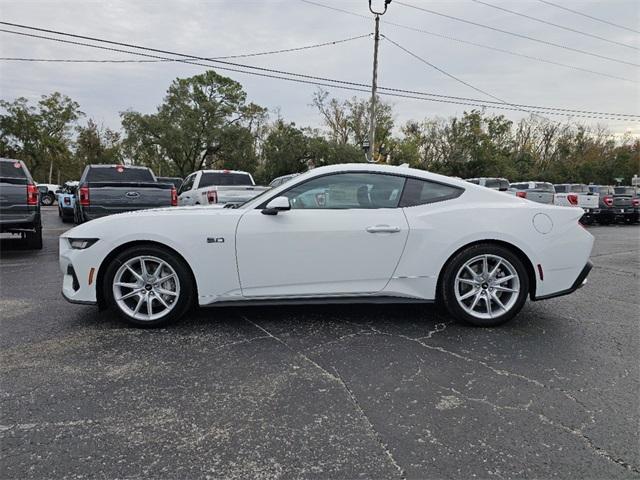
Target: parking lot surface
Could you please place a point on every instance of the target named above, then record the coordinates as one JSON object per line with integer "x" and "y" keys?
{"x": 345, "y": 391}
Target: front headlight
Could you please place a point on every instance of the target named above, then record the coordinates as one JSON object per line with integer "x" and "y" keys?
{"x": 81, "y": 243}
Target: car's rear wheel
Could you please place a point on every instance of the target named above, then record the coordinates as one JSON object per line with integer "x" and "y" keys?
{"x": 47, "y": 199}
{"x": 148, "y": 286}
{"x": 485, "y": 285}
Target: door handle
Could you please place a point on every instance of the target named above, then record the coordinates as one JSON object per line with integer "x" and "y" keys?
{"x": 383, "y": 229}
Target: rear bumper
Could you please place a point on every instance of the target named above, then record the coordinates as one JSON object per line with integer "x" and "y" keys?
{"x": 579, "y": 283}
{"x": 9, "y": 222}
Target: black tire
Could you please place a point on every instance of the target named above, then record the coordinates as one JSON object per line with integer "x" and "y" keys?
{"x": 448, "y": 284}
{"x": 47, "y": 199}
{"x": 34, "y": 239}
{"x": 77, "y": 216}
{"x": 186, "y": 298}
{"x": 60, "y": 213}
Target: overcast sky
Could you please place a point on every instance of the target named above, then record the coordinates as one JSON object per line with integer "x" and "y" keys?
{"x": 227, "y": 27}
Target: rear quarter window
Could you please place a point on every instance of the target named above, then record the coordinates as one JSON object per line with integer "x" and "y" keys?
{"x": 120, "y": 174}
{"x": 421, "y": 192}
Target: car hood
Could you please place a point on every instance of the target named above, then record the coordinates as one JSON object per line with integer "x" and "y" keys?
{"x": 113, "y": 223}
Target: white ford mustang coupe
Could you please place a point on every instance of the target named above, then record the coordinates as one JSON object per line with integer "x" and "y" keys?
{"x": 344, "y": 233}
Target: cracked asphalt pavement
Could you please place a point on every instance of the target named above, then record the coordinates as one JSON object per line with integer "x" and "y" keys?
{"x": 349, "y": 391}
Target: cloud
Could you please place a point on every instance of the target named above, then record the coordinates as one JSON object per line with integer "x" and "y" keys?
{"x": 226, "y": 27}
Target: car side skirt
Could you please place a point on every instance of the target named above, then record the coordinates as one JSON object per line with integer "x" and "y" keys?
{"x": 317, "y": 301}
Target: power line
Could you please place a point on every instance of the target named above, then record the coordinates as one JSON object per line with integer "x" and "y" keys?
{"x": 475, "y": 44}
{"x": 457, "y": 79}
{"x": 519, "y": 35}
{"x": 328, "y": 82}
{"x": 569, "y": 29}
{"x": 589, "y": 16}
{"x": 245, "y": 55}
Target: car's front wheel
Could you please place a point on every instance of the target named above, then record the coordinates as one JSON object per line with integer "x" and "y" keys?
{"x": 485, "y": 285}
{"x": 148, "y": 286}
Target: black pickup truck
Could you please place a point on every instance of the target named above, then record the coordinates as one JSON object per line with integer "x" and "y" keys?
{"x": 19, "y": 203}
{"x": 108, "y": 189}
{"x": 626, "y": 203}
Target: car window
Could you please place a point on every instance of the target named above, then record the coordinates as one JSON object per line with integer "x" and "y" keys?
{"x": 119, "y": 173}
{"x": 347, "y": 190}
{"x": 187, "y": 184}
{"x": 496, "y": 183}
{"x": 43, "y": 189}
{"x": 624, "y": 190}
{"x": 579, "y": 188}
{"x": 421, "y": 192}
{"x": 12, "y": 172}
{"x": 209, "y": 179}
{"x": 544, "y": 187}
{"x": 561, "y": 188}
{"x": 520, "y": 186}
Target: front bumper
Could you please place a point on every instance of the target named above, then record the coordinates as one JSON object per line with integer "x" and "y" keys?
{"x": 579, "y": 283}
{"x": 76, "y": 266}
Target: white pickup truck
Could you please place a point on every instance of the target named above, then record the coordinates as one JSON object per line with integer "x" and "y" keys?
{"x": 578, "y": 195}
{"x": 218, "y": 187}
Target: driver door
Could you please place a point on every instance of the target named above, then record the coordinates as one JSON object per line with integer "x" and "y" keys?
{"x": 344, "y": 235}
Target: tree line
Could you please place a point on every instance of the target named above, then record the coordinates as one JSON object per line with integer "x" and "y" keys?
{"x": 206, "y": 121}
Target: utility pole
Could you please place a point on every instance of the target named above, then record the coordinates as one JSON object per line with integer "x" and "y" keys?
{"x": 374, "y": 82}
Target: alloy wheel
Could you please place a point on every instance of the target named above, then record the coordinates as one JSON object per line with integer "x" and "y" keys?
{"x": 146, "y": 288}
{"x": 487, "y": 286}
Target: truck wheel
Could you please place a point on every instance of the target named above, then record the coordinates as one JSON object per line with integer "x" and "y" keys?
{"x": 149, "y": 286}
{"x": 485, "y": 285}
{"x": 34, "y": 239}
{"x": 47, "y": 199}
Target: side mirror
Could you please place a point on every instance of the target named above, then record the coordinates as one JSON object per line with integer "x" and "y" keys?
{"x": 278, "y": 204}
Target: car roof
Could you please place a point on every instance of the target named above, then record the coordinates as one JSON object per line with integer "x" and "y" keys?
{"x": 390, "y": 170}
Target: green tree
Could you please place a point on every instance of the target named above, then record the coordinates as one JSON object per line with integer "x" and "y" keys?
{"x": 40, "y": 134}
{"x": 188, "y": 131}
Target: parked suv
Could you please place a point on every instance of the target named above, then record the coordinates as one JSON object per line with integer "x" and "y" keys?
{"x": 605, "y": 212}
{"x": 19, "y": 203}
{"x": 626, "y": 203}
{"x": 66, "y": 197}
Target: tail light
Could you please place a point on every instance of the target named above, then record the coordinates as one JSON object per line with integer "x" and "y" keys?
{"x": 608, "y": 201}
{"x": 635, "y": 202}
{"x": 521, "y": 194}
{"x": 212, "y": 196}
{"x": 32, "y": 194}
{"x": 84, "y": 196}
{"x": 573, "y": 199}
{"x": 174, "y": 197}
